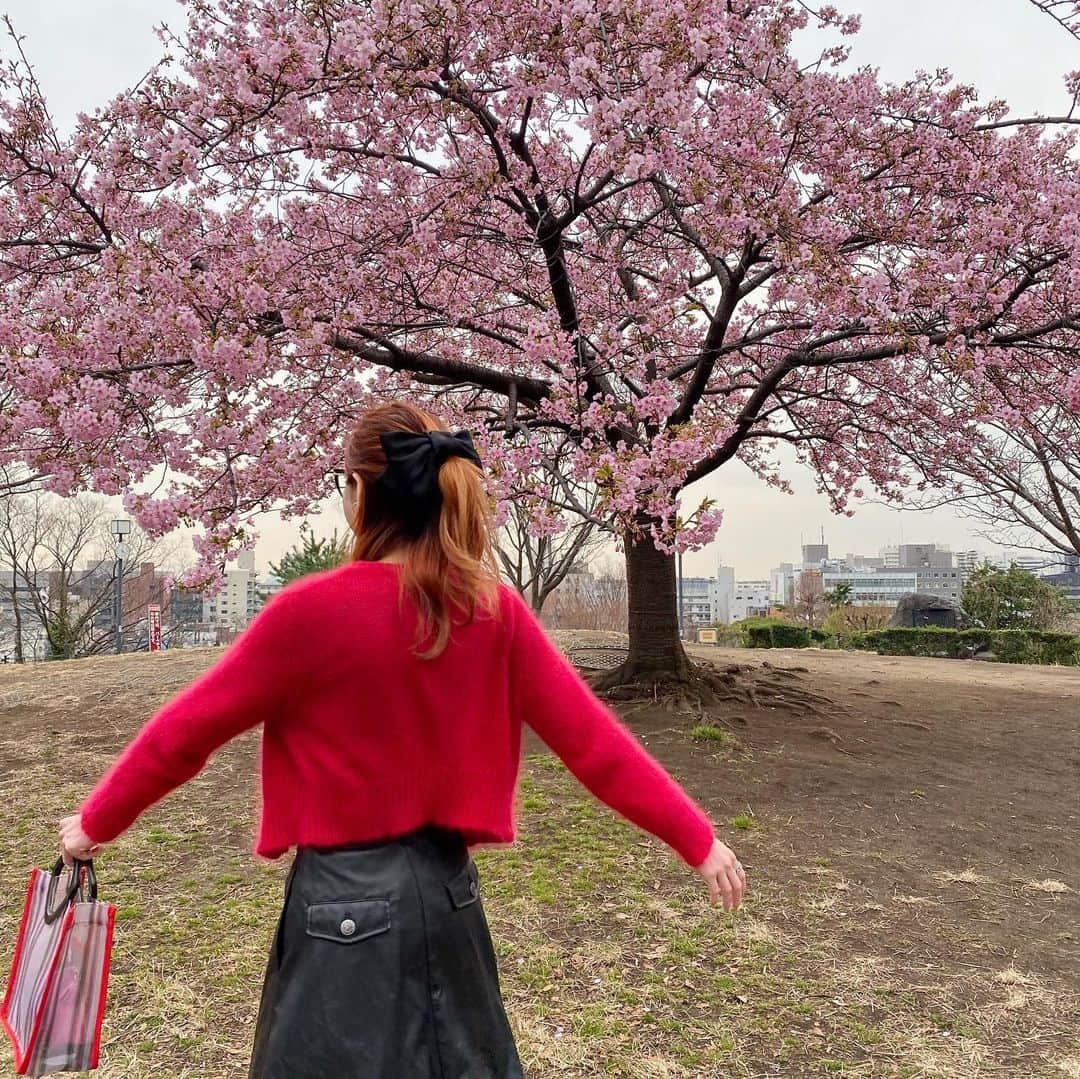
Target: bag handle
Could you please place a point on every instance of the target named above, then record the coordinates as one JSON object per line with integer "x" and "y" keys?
{"x": 79, "y": 871}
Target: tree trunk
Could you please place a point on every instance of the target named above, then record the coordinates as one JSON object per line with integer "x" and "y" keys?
{"x": 656, "y": 652}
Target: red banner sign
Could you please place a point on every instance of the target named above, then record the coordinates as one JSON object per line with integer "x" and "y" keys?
{"x": 153, "y": 622}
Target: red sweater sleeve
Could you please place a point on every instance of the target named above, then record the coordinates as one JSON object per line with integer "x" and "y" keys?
{"x": 245, "y": 687}
{"x": 555, "y": 701}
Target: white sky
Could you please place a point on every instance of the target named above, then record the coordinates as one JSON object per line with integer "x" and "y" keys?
{"x": 85, "y": 51}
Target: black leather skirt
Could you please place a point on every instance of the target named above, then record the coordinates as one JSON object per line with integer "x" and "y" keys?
{"x": 382, "y": 967}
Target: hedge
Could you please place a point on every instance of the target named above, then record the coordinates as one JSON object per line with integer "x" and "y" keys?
{"x": 1006, "y": 646}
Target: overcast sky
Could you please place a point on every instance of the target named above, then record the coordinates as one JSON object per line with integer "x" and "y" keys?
{"x": 85, "y": 51}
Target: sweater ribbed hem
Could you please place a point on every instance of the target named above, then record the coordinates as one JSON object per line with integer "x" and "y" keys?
{"x": 392, "y": 806}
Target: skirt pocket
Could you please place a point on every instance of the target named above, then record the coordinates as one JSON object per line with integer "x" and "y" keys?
{"x": 464, "y": 887}
{"x": 349, "y": 921}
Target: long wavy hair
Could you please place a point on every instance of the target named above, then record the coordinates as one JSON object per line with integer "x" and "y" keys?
{"x": 450, "y": 569}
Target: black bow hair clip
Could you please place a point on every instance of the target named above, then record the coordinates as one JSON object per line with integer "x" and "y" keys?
{"x": 410, "y": 481}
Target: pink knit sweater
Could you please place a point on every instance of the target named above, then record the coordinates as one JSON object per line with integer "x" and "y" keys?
{"x": 362, "y": 740}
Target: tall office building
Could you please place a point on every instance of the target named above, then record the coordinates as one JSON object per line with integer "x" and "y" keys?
{"x": 238, "y": 601}
{"x": 782, "y": 584}
{"x": 873, "y": 588}
{"x": 696, "y": 601}
{"x": 722, "y": 594}
{"x": 751, "y": 598}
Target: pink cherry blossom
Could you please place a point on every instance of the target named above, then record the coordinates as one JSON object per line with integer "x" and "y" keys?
{"x": 642, "y": 228}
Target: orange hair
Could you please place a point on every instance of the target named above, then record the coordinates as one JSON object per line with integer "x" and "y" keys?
{"x": 450, "y": 566}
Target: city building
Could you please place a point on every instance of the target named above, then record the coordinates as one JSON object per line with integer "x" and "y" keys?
{"x": 924, "y": 556}
{"x": 813, "y": 554}
{"x": 1069, "y": 581}
{"x": 873, "y": 588}
{"x": 267, "y": 587}
{"x": 862, "y": 561}
{"x": 696, "y": 601}
{"x": 1041, "y": 565}
{"x": 945, "y": 583}
{"x": 722, "y": 594}
{"x": 969, "y": 561}
{"x": 751, "y": 598}
{"x": 185, "y": 609}
{"x": 141, "y": 589}
{"x": 782, "y": 585}
{"x": 20, "y": 594}
{"x": 238, "y": 601}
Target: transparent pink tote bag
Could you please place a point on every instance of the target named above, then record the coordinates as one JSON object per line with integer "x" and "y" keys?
{"x": 55, "y": 999}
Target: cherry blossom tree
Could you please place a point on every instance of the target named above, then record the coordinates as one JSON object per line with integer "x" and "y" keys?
{"x": 648, "y": 228}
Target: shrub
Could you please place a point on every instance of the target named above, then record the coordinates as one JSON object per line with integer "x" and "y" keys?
{"x": 974, "y": 640}
{"x": 786, "y": 636}
{"x": 772, "y": 633}
{"x": 855, "y": 641}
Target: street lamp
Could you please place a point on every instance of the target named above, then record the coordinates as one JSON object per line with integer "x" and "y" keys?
{"x": 121, "y": 527}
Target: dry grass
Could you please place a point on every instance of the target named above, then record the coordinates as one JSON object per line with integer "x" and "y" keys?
{"x": 1053, "y": 887}
{"x": 1070, "y": 1066}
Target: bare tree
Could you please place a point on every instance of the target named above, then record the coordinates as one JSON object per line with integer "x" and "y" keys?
{"x": 1020, "y": 480}
{"x": 14, "y": 480}
{"x": 810, "y": 604}
{"x": 57, "y": 569}
{"x": 849, "y": 619}
{"x": 536, "y": 564}
{"x": 596, "y": 601}
{"x": 536, "y": 560}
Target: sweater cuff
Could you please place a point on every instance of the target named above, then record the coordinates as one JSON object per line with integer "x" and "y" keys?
{"x": 697, "y": 847}
{"x": 94, "y": 819}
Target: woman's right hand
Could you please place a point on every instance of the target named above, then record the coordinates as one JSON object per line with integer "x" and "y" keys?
{"x": 724, "y": 875}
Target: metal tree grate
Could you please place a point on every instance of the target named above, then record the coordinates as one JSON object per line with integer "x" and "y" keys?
{"x": 598, "y": 657}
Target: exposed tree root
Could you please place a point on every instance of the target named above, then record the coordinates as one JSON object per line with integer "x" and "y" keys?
{"x": 706, "y": 688}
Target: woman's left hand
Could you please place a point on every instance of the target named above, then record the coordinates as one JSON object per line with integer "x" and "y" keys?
{"x": 75, "y": 843}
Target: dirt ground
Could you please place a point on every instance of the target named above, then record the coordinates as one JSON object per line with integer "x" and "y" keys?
{"x": 924, "y": 771}
{"x": 913, "y": 852}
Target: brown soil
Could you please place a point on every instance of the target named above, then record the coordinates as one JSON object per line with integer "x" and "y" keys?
{"x": 927, "y": 768}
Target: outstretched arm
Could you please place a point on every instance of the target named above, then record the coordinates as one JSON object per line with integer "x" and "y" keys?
{"x": 555, "y": 701}
{"x": 250, "y": 683}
